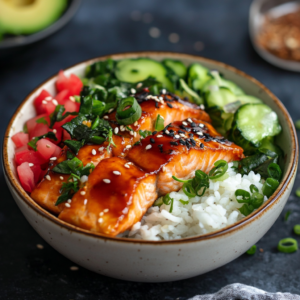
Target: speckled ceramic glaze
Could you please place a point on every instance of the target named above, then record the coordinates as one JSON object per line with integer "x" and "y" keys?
{"x": 154, "y": 261}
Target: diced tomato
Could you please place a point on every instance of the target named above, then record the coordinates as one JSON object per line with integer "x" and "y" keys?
{"x": 32, "y": 122}
{"x": 62, "y": 96}
{"x": 58, "y": 134}
{"x": 39, "y": 99}
{"x": 73, "y": 84}
{"x": 29, "y": 156}
{"x": 37, "y": 171}
{"x": 46, "y": 149}
{"x": 23, "y": 148}
{"x": 26, "y": 177}
{"x": 66, "y": 135}
{"x": 38, "y": 130}
{"x": 20, "y": 139}
{"x": 71, "y": 106}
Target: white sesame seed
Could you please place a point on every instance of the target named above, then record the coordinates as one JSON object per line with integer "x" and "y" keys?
{"x": 94, "y": 152}
{"x": 131, "y": 132}
{"x": 161, "y": 98}
{"x": 126, "y": 166}
{"x": 201, "y": 125}
{"x": 177, "y": 136}
{"x": 101, "y": 149}
{"x": 139, "y": 85}
{"x": 202, "y": 106}
{"x": 82, "y": 193}
{"x": 111, "y": 110}
{"x": 159, "y": 136}
{"x": 106, "y": 210}
{"x": 54, "y": 131}
{"x": 67, "y": 204}
{"x": 48, "y": 177}
{"x": 122, "y": 128}
{"x": 83, "y": 179}
{"x": 74, "y": 268}
{"x": 185, "y": 123}
{"x": 135, "y": 123}
{"x": 164, "y": 169}
{"x": 53, "y": 158}
{"x": 133, "y": 91}
{"x": 101, "y": 214}
{"x": 72, "y": 98}
{"x": 54, "y": 101}
{"x": 190, "y": 120}
{"x": 148, "y": 147}
{"x": 44, "y": 102}
{"x": 128, "y": 146}
{"x": 199, "y": 133}
{"x": 105, "y": 117}
{"x": 48, "y": 146}
{"x": 106, "y": 180}
{"x": 117, "y": 172}
{"x": 182, "y": 135}
{"x": 154, "y": 32}
{"x": 130, "y": 163}
{"x": 167, "y": 131}
{"x": 85, "y": 201}
{"x": 69, "y": 201}
{"x": 31, "y": 164}
{"x": 61, "y": 178}
{"x": 39, "y": 246}
{"x": 163, "y": 91}
{"x": 125, "y": 210}
{"x": 100, "y": 220}
{"x": 134, "y": 134}
{"x": 116, "y": 130}
{"x": 48, "y": 98}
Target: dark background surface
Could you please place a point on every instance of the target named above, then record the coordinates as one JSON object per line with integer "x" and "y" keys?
{"x": 104, "y": 27}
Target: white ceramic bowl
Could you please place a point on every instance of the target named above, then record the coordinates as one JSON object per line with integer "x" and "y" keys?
{"x": 156, "y": 261}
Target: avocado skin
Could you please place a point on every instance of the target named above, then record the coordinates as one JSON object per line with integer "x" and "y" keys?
{"x": 28, "y": 19}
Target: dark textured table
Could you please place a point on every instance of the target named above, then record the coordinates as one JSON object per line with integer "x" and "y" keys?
{"x": 104, "y": 27}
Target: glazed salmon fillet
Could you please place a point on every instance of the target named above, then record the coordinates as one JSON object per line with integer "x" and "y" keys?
{"x": 169, "y": 106}
{"x": 119, "y": 191}
{"x": 117, "y": 195}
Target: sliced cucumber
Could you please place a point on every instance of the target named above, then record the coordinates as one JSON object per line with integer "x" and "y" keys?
{"x": 185, "y": 91}
{"x": 176, "y": 66}
{"x": 248, "y": 99}
{"x": 218, "y": 81}
{"x": 197, "y": 76}
{"x": 220, "y": 97}
{"x": 252, "y": 123}
{"x": 137, "y": 70}
{"x": 268, "y": 143}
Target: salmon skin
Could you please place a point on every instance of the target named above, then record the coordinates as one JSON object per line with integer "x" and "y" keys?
{"x": 127, "y": 192}
{"x": 169, "y": 106}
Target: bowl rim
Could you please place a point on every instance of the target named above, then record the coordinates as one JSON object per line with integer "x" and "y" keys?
{"x": 19, "y": 41}
{"x": 292, "y": 164}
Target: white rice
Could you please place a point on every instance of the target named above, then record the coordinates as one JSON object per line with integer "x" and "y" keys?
{"x": 216, "y": 209}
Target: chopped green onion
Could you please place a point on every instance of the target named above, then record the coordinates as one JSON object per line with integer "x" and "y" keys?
{"x": 297, "y": 124}
{"x": 287, "y": 214}
{"x": 274, "y": 171}
{"x": 184, "y": 202}
{"x": 219, "y": 170}
{"x": 287, "y": 245}
{"x": 159, "y": 123}
{"x": 257, "y": 200}
{"x": 298, "y": 192}
{"x": 168, "y": 200}
{"x": 158, "y": 202}
{"x": 252, "y": 250}
{"x": 128, "y": 111}
{"x": 253, "y": 188}
{"x": 246, "y": 209}
{"x": 270, "y": 186}
{"x": 297, "y": 229}
{"x": 244, "y": 194}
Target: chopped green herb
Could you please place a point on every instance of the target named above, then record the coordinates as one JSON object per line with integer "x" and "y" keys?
{"x": 287, "y": 214}
{"x": 49, "y": 135}
{"x": 58, "y": 116}
{"x": 128, "y": 111}
{"x": 167, "y": 200}
{"x": 219, "y": 169}
{"x": 145, "y": 133}
{"x": 287, "y": 245}
{"x": 159, "y": 123}
{"x": 297, "y": 229}
{"x": 42, "y": 121}
{"x": 297, "y": 124}
{"x": 74, "y": 145}
{"x": 298, "y": 192}
{"x": 184, "y": 202}
{"x": 252, "y": 250}
{"x": 68, "y": 189}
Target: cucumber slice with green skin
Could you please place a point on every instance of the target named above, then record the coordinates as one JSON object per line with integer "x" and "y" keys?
{"x": 189, "y": 93}
{"x": 197, "y": 76}
{"x": 137, "y": 70}
{"x": 220, "y": 97}
{"x": 176, "y": 66}
{"x": 252, "y": 123}
{"x": 248, "y": 99}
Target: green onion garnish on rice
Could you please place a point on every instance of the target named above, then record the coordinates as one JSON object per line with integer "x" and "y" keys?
{"x": 287, "y": 245}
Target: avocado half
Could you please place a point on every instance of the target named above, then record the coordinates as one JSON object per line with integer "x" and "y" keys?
{"x": 29, "y": 16}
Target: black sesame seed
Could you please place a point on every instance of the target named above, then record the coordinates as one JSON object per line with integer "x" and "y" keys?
{"x": 193, "y": 142}
{"x": 193, "y": 125}
{"x": 186, "y": 98}
{"x": 188, "y": 145}
{"x": 207, "y": 140}
{"x": 180, "y": 131}
{"x": 156, "y": 105}
{"x": 182, "y": 142}
{"x": 154, "y": 132}
{"x": 174, "y": 143}
{"x": 171, "y": 130}
{"x": 201, "y": 146}
{"x": 160, "y": 145}
{"x": 191, "y": 135}
{"x": 182, "y": 127}
{"x": 152, "y": 140}
{"x": 170, "y": 105}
